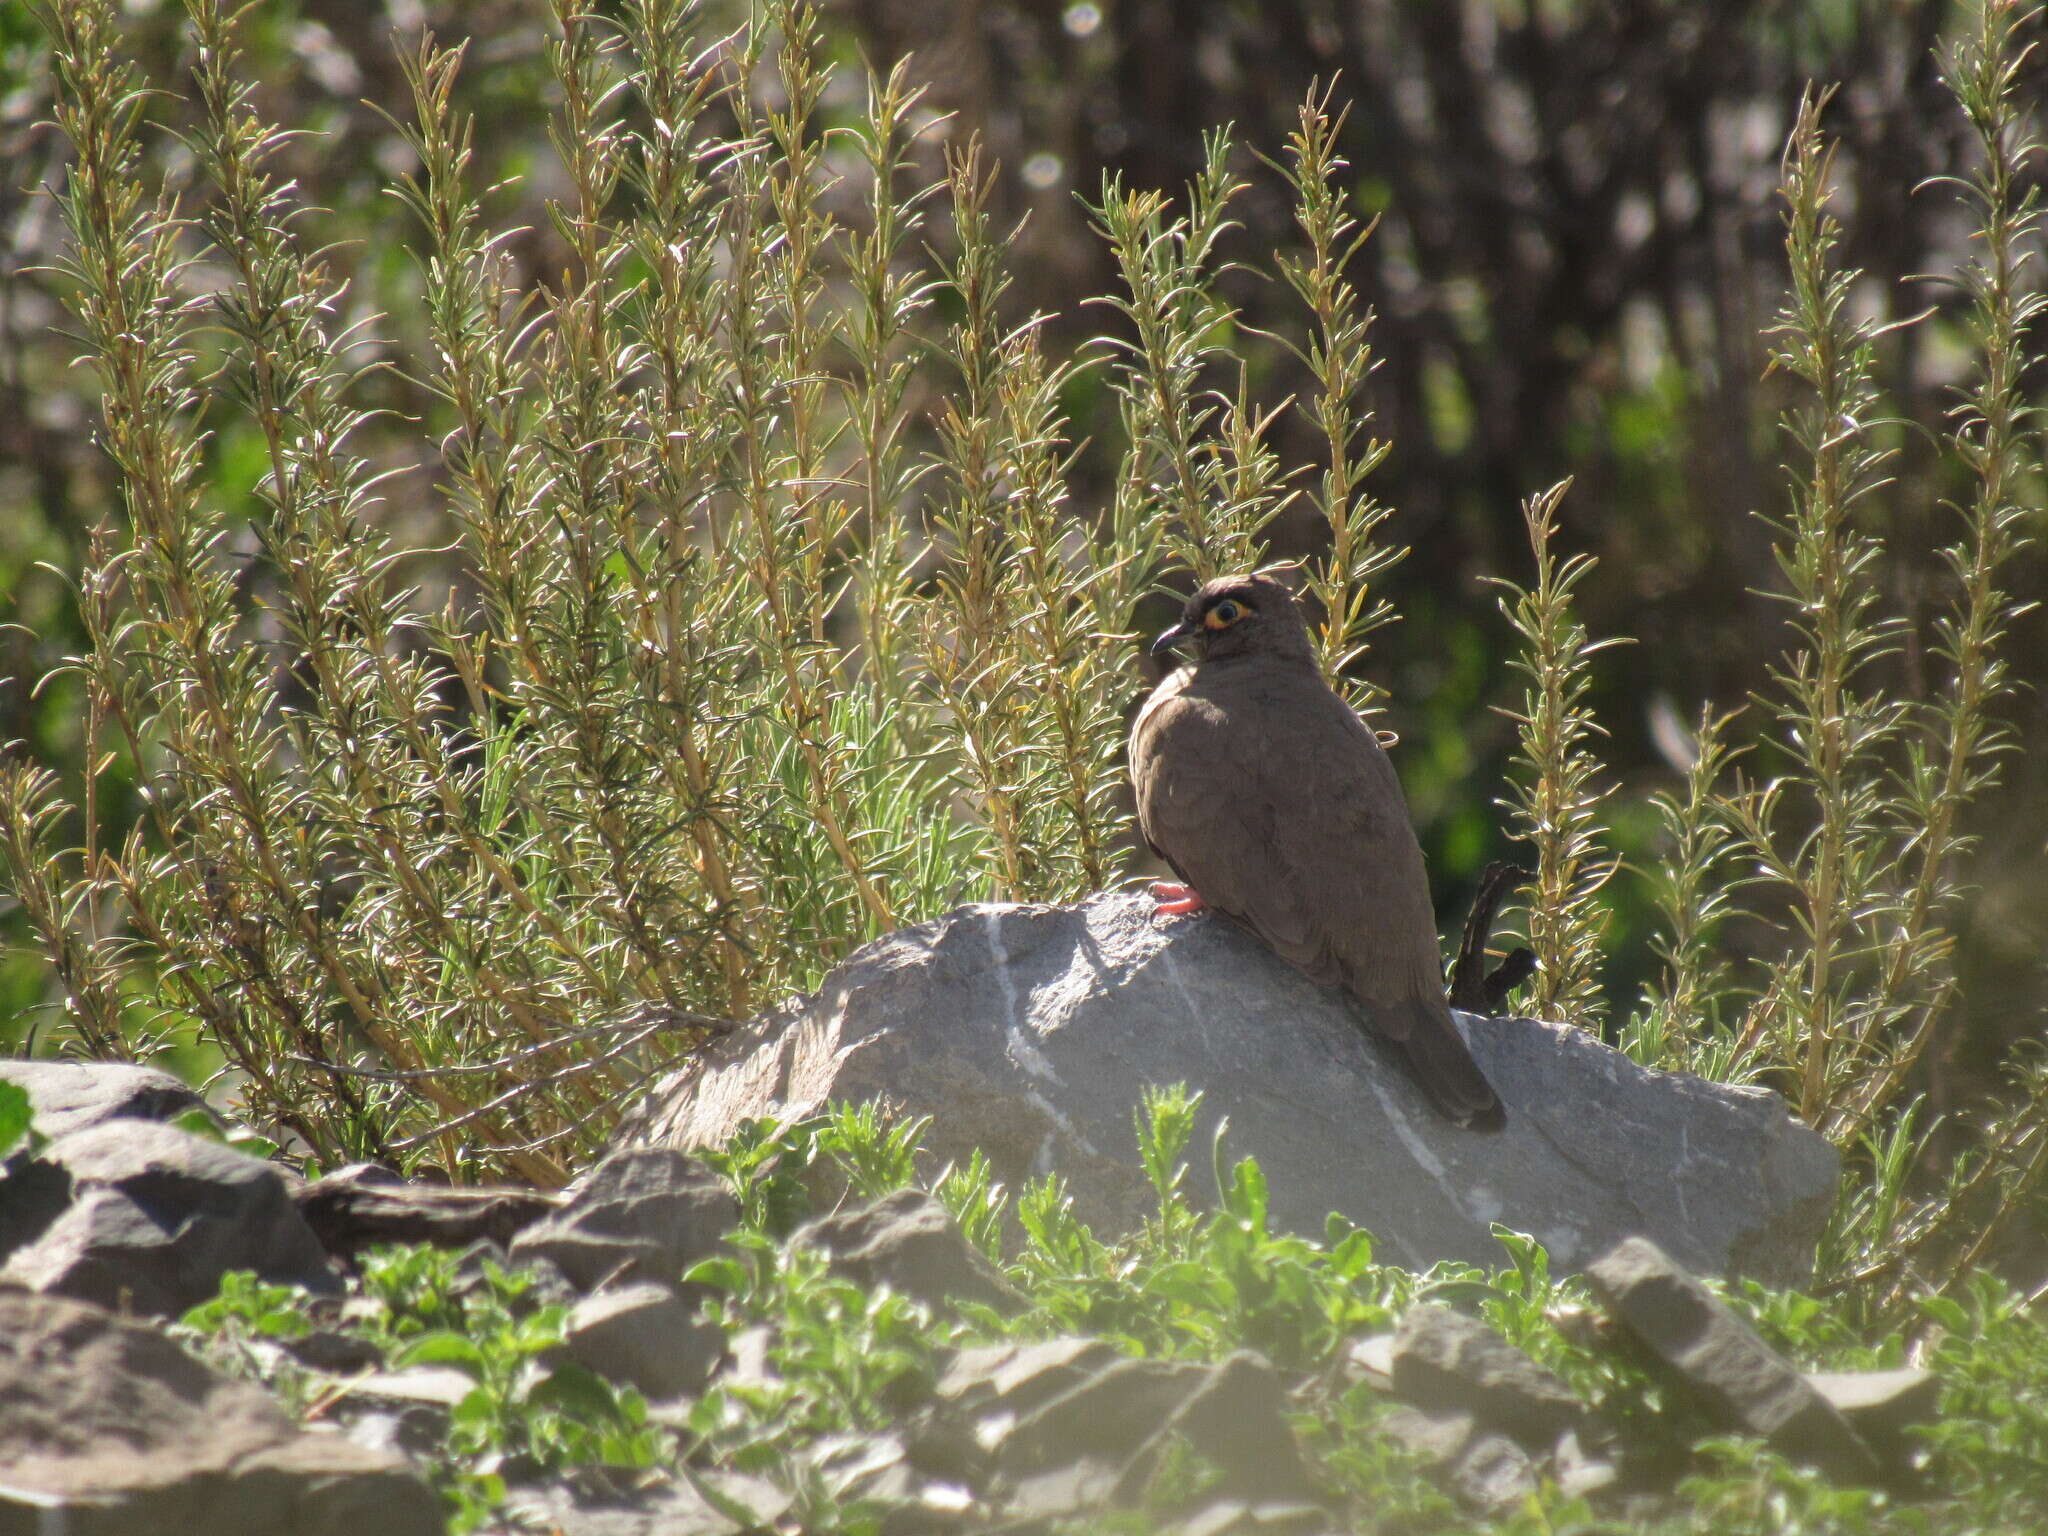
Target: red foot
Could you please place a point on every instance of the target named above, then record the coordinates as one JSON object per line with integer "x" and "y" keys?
{"x": 1175, "y": 900}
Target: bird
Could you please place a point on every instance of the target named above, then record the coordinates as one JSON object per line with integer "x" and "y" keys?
{"x": 1275, "y": 805}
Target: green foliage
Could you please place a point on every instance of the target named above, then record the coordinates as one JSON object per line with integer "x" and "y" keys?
{"x": 1554, "y": 796}
{"x": 765, "y": 1162}
{"x": 15, "y": 1117}
{"x": 976, "y": 1202}
{"x": 875, "y": 1150}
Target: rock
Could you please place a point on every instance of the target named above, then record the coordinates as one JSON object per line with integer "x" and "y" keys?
{"x": 703, "y": 1504}
{"x": 1481, "y": 1467}
{"x": 158, "y": 1216}
{"x": 406, "y": 1411}
{"x": 33, "y": 1194}
{"x": 644, "y": 1335}
{"x": 1030, "y": 1031}
{"x": 1882, "y": 1406}
{"x": 1013, "y": 1379}
{"x": 878, "y": 1470}
{"x": 1697, "y": 1344}
{"x": 1072, "y": 1451}
{"x": 644, "y": 1213}
{"x": 1368, "y": 1361}
{"x": 362, "y": 1205}
{"x": 112, "y": 1421}
{"x": 415, "y": 1386}
{"x": 1445, "y": 1360}
{"x": 486, "y": 1268}
{"x": 67, "y": 1096}
{"x": 333, "y": 1351}
{"x": 1581, "y": 1470}
{"x": 982, "y": 1392}
{"x": 1236, "y": 1421}
{"x": 747, "y": 1361}
{"x": 1234, "y": 1517}
{"x": 1065, "y": 1488}
{"x": 909, "y": 1242}
{"x": 1071, "y": 1426}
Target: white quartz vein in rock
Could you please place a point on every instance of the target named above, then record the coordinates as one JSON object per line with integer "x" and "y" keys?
{"x": 1017, "y": 1039}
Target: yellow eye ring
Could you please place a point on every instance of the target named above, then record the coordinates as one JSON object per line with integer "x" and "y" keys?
{"x": 1224, "y": 614}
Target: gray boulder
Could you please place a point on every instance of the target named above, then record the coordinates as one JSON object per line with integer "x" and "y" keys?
{"x": 107, "y": 1428}
{"x": 641, "y": 1214}
{"x": 645, "y": 1335}
{"x": 1031, "y": 1031}
{"x": 158, "y": 1216}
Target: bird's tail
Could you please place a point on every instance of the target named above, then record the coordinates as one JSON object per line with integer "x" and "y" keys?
{"x": 1444, "y": 1067}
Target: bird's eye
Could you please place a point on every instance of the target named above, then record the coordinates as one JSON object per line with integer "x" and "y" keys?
{"x": 1224, "y": 614}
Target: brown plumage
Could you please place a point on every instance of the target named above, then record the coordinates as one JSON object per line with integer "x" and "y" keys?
{"x": 1274, "y": 802}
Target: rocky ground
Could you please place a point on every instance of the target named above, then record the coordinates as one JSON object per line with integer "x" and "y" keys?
{"x": 974, "y": 1402}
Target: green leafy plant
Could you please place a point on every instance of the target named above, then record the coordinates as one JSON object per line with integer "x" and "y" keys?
{"x": 876, "y": 1150}
{"x": 16, "y": 1119}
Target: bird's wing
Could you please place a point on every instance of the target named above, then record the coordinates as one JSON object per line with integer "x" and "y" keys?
{"x": 1273, "y": 800}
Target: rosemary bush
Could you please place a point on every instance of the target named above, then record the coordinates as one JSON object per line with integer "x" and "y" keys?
{"x": 773, "y": 623}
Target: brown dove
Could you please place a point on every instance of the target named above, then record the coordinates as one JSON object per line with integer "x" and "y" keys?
{"x": 1275, "y": 804}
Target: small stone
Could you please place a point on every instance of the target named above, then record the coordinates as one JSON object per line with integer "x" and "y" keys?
{"x": 1701, "y": 1348}
{"x": 933, "y": 1508}
{"x": 854, "y": 1463}
{"x": 1580, "y": 1472}
{"x": 1234, "y": 1517}
{"x": 909, "y": 1242}
{"x": 365, "y": 1204}
{"x": 1882, "y": 1405}
{"x": 1066, "y": 1489}
{"x": 1444, "y": 1360}
{"x": 1104, "y": 1421}
{"x": 1021, "y": 1376}
{"x": 158, "y": 1216}
{"x": 331, "y": 1350}
{"x": 1225, "y": 1518}
{"x": 644, "y": 1213}
{"x": 747, "y": 1362}
{"x": 431, "y": 1386}
{"x": 727, "y": 1505}
{"x": 1481, "y": 1467}
{"x": 982, "y": 1392}
{"x": 1369, "y": 1361}
{"x": 1236, "y": 1420}
{"x": 485, "y": 1268}
{"x": 645, "y": 1335}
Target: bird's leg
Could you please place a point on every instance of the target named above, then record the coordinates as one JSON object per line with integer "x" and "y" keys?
{"x": 1175, "y": 899}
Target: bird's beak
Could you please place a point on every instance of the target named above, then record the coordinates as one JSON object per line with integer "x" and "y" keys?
{"x": 1173, "y": 637}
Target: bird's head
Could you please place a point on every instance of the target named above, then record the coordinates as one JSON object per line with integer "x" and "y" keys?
{"x": 1239, "y": 616}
